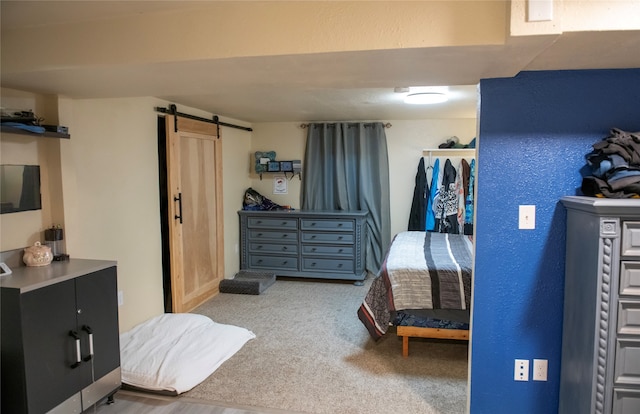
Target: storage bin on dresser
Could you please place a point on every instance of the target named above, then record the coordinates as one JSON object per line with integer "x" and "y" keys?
{"x": 315, "y": 244}
{"x": 601, "y": 327}
{"x": 60, "y": 337}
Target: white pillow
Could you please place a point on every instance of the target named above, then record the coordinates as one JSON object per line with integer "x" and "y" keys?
{"x": 174, "y": 352}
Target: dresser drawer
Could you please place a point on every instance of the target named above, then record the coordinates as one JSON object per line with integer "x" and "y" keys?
{"x": 327, "y": 265}
{"x": 630, "y": 278}
{"x": 273, "y": 248}
{"x": 629, "y": 317}
{"x": 320, "y": 224}
{"x": 311, "y": 237}
{"x": 258, "y": 261}
{"x": 626, "y": 401}
{"x": 627, "y": 362}
{"x": 631, "y": 238}
{"x": 272, "y": 223}
{"x": 318, "y": 249}
{"x": 272, "y": 235}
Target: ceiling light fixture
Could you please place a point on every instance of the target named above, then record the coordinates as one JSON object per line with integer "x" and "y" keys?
{"x": 425, "y": 98}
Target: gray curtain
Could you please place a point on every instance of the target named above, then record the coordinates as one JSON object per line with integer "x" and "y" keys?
{"x": 346, "y": 167}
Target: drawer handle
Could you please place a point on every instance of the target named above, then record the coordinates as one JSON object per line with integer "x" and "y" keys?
{"x": 313, "y": 250}
{"x": 313, "y": 237}
{"x": 340, "y": 250}
{"x": 339, "y": 224}
{"x": 339, "y": 264}
{"x": 259, "y": 235}
{"x": 284, "y": 236}
{"x": 259, "y": 222}
{"x": 340, "y": 238}
{"x": 259, "y": 247}
{"x": 259, "y": 260}
{"x": 285, "y": 262}
{"x": 284, "y": 248}
{"x": 313, "y": 264}
{"x": 313, "y": 223}
{"x": 284, "y": 223}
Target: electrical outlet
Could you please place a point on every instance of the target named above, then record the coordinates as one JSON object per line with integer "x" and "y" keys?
{"x": 521, "y": 371}
{"x": 120, "y": 298}
{"x": 527, "y": 217}
{"x": 540, "y": 367}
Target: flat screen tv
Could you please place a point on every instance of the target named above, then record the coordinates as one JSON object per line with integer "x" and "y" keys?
{"x": 19, "y": 188}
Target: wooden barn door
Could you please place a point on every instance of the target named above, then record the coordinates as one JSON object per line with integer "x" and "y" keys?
{"x": 194, "y": 180}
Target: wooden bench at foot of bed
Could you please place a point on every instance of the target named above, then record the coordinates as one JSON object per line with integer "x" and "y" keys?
{"x": 433, "y": 333}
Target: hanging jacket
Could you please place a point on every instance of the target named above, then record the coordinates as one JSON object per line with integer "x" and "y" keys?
{"x": 417, "y": 216}
{"x": 468, "y": 211}
{"x": 447, "y": 202}
{"x": 433, "y": 194}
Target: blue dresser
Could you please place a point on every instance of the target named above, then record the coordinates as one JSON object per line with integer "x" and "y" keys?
{"x": 313, "y": 244}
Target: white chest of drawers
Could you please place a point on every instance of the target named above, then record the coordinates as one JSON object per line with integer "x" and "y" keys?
{"x": 314, "y": 244}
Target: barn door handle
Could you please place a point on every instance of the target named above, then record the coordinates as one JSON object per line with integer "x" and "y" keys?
{"x": 179, "y": 200}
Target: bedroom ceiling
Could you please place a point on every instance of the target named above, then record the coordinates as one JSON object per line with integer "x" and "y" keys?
{"x": 335, "y": 86}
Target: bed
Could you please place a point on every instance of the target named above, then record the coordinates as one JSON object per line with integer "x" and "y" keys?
{"x": 423, "y": 288}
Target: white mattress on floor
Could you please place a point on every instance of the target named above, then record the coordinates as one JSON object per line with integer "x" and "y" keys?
{"x": 174, "y": 352}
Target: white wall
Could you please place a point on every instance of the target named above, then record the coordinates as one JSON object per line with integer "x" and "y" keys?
{"x": 25, "y": 228}
{"x": 111, "y": 193}
{"x": 111, "y": 197}
{"x": 405, "y": 142}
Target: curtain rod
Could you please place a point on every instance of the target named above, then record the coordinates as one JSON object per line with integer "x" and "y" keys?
{"x": 303, "y": 126}
{"x": 215, "y": 120}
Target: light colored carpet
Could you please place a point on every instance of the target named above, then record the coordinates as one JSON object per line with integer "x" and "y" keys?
{"x": 311, "y": 354}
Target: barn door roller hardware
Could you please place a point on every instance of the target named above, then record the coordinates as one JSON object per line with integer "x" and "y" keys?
{"x": 172, "y": 110}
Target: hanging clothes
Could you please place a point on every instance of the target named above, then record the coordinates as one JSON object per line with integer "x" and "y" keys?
{"x": 447, "y": 202}
{"x": 468, "y": 215}
{"x": 433, "y": 194}
{"x": 417, "y": 216}
{"x": 462, "y": 186}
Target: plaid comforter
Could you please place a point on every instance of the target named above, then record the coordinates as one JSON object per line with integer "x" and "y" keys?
{"x": 422, "y": 270}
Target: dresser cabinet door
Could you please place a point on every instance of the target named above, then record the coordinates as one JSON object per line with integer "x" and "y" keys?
{"x": 51, "y": 369}
{"x": 97, "y": 309}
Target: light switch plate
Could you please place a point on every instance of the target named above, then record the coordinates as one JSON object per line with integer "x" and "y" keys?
{"x": 527, "y": 217}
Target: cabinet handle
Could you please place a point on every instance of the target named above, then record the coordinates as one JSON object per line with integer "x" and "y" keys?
{"x": 75, "y": 335}
{"x": 179, "y": 200}
{"x": 88, "y": 330}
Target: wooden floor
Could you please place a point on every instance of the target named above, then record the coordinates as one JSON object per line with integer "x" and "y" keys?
{"x": 132, "y": 402}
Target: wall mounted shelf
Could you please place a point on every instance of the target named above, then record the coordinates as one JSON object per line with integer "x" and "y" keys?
{"x": 47, "y": 134}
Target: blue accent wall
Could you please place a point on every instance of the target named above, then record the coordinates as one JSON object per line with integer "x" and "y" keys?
{"x": 535, "y": 130}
